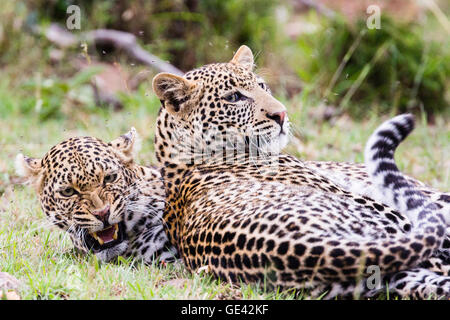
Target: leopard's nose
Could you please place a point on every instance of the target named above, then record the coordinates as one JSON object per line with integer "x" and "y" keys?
{"x": 102, "y": 214}
{"x": 278, "y": 117}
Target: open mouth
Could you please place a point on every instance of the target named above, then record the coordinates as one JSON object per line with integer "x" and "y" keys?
{"x": 106, "y": 238}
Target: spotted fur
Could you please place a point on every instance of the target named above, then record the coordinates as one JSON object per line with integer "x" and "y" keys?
{"x": 269, "y": 218}
{"x": 85, "y": 185}
{"x": 354, "y": 178}
{"x": 395, "y": 188}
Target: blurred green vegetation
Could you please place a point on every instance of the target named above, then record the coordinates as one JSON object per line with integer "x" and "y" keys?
{"x": 389, "y": 69}
{"x": 188, "y": 33}
{"x": 341, "y": 64}
{"x": 53, "y": 93}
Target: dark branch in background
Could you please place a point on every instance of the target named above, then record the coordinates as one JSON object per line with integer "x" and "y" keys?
{"x": 119, "y": 39}
{"x": 127, "y": 42}
{"x": 111, "y": 80}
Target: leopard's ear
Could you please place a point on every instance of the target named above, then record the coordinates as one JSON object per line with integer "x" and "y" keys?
{"x": 126, "y": 146}
{"x": 31, "y": 169}
{"x": 173, "y": 91}
{"x": 244, "y": 57}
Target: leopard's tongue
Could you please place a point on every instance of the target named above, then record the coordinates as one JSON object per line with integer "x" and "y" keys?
{"x": 106, "y": 235}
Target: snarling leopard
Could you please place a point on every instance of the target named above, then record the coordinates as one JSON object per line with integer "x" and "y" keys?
{"x": 97, "y": 193}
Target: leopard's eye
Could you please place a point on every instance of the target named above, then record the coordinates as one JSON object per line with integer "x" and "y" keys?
{"x": 265, "y": 87}
{"x": 234, "y": 97}
{"x": 109, "y": 178}
{"x": 68, "y": 192}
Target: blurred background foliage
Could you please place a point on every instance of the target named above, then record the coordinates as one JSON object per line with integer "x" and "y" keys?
{"x": 321, "y": 49}
{"x": 392, "y": 68}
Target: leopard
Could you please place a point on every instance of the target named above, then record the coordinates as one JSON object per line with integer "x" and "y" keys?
{"x": 136, "y": 236}
{"x": 250, "y": 213}
{"x": 101, "y": 198}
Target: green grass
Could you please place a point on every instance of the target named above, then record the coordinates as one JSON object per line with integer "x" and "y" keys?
{"x": 42, "y": 258}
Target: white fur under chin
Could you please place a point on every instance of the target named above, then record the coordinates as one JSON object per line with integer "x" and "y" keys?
{"x": 111, "y": 253}
{"x": 283, "y": 140}
{"x": 277, "y": 145}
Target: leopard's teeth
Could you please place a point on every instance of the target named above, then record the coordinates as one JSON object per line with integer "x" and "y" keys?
{"x": 116, "y": 231}
{"x": 96, "y": 237}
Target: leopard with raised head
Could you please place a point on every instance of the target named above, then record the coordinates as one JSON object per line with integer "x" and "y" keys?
{"x": 97, "y": 193}
{"x": 253, "y": 214}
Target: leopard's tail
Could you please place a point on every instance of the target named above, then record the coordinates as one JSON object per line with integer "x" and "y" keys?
{"x": 397, "y": 191}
